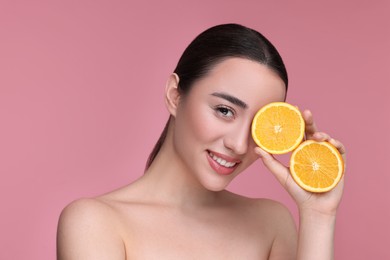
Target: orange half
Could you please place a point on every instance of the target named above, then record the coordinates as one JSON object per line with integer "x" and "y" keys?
{"x": 316, "y": 166}
{"x": 278, "y": 128}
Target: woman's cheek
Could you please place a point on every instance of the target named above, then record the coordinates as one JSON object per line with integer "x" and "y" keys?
{"x": 207, "y": 126}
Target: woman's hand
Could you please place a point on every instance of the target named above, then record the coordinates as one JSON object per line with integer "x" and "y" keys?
{"x": 324, "y": 203}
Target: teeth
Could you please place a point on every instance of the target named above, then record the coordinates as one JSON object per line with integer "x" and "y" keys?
{"x": 222, "y": 161}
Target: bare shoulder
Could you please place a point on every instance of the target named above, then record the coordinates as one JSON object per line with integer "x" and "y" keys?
{"x": 272, "y": 212}
{"x": 262, "y": 208}
{"x": 273, "y": 221}
{"x": 87, "y": 229}
{"x": 281, "y": 226}
{"x": 273, "y": 209}
{"x": 80, "y": 207}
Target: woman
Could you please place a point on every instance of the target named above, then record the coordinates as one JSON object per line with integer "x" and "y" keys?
{"x": 179, "y": 208}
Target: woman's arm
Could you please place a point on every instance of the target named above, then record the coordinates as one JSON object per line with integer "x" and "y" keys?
{"x": 317, "y": 212}
{"x": 316, "y": 236}
{"x": 86, "y": 231}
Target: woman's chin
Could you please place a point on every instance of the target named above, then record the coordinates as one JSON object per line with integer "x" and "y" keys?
{"x": 216, "y": 185}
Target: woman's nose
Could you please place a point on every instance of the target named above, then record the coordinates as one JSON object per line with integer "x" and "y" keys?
{"x": 238, "y": 139}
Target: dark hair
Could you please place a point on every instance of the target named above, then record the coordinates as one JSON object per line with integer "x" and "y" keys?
{"x": 215, "y": 45}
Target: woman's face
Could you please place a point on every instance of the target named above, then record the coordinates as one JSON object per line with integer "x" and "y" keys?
{"x": 212, "y": 133}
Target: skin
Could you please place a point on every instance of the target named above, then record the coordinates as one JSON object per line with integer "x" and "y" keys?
{"x": 179, "y": 209}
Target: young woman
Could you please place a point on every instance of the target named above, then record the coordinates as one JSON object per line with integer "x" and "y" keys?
{"x": 179, "y": 209}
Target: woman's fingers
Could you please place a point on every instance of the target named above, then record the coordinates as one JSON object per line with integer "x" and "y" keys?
{"x": 281, "y": 172}
{"x": 321, "y": 136}
{"x": 338, "y": 145}
{"x": 310, "y": 126}
{"x": 312, "y": 132}
{"x": 324, "y": 137}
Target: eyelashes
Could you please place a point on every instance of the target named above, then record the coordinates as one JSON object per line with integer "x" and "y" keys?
{"x": 225, "y": 111}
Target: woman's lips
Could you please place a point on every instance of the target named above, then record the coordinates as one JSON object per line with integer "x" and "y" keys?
{"x": 222, "y": 164}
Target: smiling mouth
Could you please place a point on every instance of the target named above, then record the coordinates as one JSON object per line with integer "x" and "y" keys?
{"x": 221, "y": 161}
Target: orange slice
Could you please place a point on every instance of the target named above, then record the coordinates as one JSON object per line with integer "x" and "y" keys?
{"x": 278, "y": 128}
{"x": 316, "y": 166}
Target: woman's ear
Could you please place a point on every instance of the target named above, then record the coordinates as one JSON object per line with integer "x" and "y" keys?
{"x": 172, "y": 95}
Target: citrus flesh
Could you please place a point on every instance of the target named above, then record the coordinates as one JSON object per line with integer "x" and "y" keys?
{"x": 278, "y": 128}
{"x": 316, "y": 166}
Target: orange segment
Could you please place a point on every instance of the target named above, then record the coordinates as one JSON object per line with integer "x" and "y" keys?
{"x": 278, "y": 128}
{"x": 316, "y": 166}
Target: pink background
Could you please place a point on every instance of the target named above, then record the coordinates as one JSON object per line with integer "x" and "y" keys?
{"x": 81, "y": 85}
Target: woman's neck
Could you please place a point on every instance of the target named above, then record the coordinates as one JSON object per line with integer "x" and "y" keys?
{"x": 168, "y": 180}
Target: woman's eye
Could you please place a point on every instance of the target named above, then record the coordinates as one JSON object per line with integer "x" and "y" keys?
{"x": 225, "y": 112}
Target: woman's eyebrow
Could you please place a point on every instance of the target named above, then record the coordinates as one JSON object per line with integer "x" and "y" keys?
{"x": 231, "y": 99}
